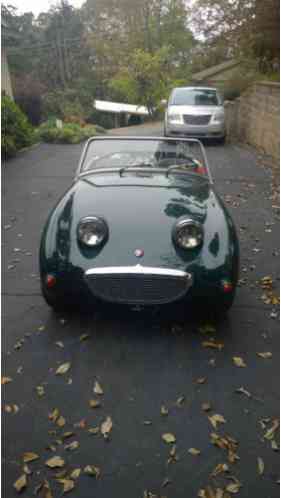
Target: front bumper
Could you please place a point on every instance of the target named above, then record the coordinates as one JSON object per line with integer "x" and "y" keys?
{"x": 138, "y": 284}
{"x": 211, "y": 130}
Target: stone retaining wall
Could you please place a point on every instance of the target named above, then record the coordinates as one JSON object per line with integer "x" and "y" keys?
{"x": 254, "y": 118}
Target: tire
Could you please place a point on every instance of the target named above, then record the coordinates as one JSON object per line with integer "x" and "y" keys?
{"x": 221, "y": 141}
{"x": 58, "y": 303}
{"x": 222, "y": 307}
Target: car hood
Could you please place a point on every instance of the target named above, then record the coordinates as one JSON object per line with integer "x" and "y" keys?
{"x": 192, "y": 109}
{"x": 140, "y": 213}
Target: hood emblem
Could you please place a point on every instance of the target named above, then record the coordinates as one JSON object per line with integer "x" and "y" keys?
{"x": 139, "y": 253}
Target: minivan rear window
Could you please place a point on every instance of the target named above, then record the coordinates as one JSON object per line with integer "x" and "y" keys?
{"x": 195, "y": 96}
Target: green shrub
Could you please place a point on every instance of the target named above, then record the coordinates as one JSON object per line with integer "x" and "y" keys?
{"x": 70, "y": 133}
{"x": 16, "y": 131}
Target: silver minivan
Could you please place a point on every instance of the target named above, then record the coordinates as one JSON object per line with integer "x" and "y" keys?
{"x": 195, "y": 112}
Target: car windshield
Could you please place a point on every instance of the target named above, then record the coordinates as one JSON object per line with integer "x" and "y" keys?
{"x": 195, "y": 96}
{"x": 146, "y": 153}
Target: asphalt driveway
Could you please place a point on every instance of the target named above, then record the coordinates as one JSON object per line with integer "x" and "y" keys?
{"x": 141, "y": 362}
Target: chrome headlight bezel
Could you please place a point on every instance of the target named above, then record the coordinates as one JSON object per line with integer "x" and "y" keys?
{"x": 196, "y": 236}
{"x": 94, "y": 225}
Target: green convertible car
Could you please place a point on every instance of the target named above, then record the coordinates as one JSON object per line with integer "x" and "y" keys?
{"x": 140, "y": 225}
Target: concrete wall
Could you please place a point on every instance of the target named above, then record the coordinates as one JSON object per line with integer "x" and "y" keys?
{"x": 254, "y": 118}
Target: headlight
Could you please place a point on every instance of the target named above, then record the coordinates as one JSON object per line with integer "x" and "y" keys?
{"x": 188, "y": 234}
{"x": 218, "y": 117}
{"x": 174, "y": 118}
{"x": 92, "y": 231}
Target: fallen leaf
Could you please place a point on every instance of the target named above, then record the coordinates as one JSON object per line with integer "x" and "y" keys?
{"x": 260, "y": 466}
{"x": 239, "y": 362}
{"x": 94, "y": 430}
{"x": 166, "y": 482}
{"x": 97, "y": 388}
{"x": 72, "y": 446}
{"x": 241, "y": 390}
{"x": 60, "y": 344}
{"x": 83, "y": 337}
{"x": 147, "y": 422}
{"x": 27, "y": 470}
{"x": 82, "y": 424}
{"x": 206, "y": 407}
{"x": 6, "y": 380}
{"x": 169, "y": 438}
{"x": 75, "y": 473}
{"x": 270, "y": 433}
{"x": 66, "y": 435}
{"x": 20, "y": 483}
{"x": 40, "y": 391}
{"x": 68, "y": 484}
{"x": 213, "y": 344}
{"x": 219, "y": 469}
{"x": 233, "y": 487}
{"x": 61, "y": 421}
{"x": 194, "y": 451}
{"x": 63, "y": 369}
{"x": 216, "y": 419}
{"x": 265, "y": 355}
{"x": 92, "y": 470}
{"x": 201, "y": 380}
{"x": 30, "y": 457}
{"x": 164, "y": 411}
{"x": 274, "y": 445}
{"x": 55, "y": 462}
{"x": 94, "y": 403}
{"x": 54, "y": 415}
{"x": 106, "y": 427}
{"x": 180, "y": 401}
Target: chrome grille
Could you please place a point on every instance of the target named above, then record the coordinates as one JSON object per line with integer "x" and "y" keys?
{"x": 199, "y": 119}
{"x": 138, "y": 285}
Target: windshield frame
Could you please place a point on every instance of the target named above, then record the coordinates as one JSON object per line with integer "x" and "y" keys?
{"x": 80, "y": 173}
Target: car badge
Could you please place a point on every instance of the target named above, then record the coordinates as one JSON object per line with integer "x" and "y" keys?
{"x": 139, "y": 253}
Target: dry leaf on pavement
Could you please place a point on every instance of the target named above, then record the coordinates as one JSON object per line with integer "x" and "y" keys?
{"x": 83, "y": 337}
{"x": 68, "y": 484}
{"x": 94, "y": 430}
{"x": 241, "y": 390}
{"x": 106, "y": 427}
{"x": 92, "y": 470}
{"x": 270, "y": 433}
{"x": 75, "y": 473}
{"x": 53, "y": 416}
{"x": 61, "y": 421}
{"x": 164, "y": 410}
{"x": 97, "y": 388}
{"x": 260, "y": 466}
{"x": 265, "y": 355}
{"x": 169, "y": 438}
{"x": 20, "y": 483}
{"x": 194, "y": 451}
{"x": 6, "y": 380}
{"x": 219, "y": 469}
{"x": 213, "y": 345}
{"x": 94, "y": 403}
{"x": 206, "y": 407}
{"x": 63, "y": 369}
{"x": 55, "y": 462}
{"x": 72, "y": 446}
{"x": 238, "y": 361}
{"x": 30, "y": 457}
{"x": 216, "y": 419}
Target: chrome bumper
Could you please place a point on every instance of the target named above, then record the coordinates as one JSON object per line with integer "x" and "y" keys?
{"x": 138, "y": 284}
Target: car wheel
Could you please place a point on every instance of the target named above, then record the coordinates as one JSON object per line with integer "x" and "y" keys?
{"x": 221, "y": 307}
{"x": 57, "y": 303}
{"x": 221, "y": 141}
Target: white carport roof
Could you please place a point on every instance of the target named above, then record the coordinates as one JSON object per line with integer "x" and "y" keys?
{"x": 117, "y": 107}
